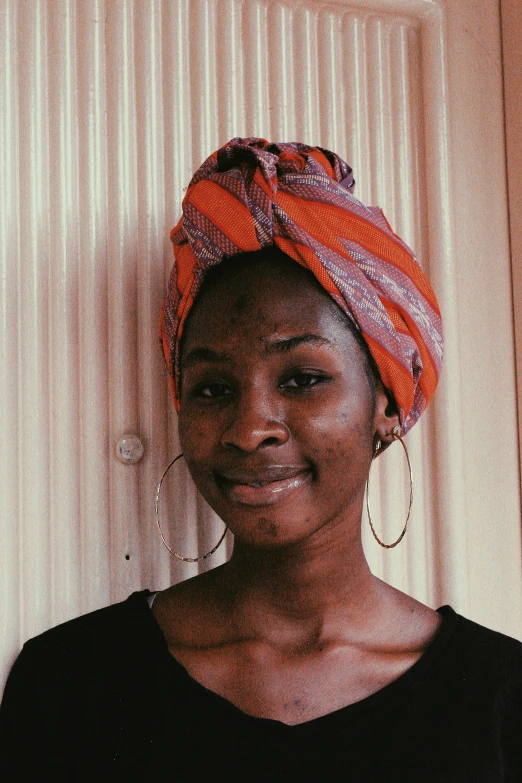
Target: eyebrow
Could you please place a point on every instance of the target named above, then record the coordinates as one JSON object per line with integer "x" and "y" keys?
{"x": 286, "y": 344}
{"x": 198, "y": 355}
{"x": 279, "y": 345}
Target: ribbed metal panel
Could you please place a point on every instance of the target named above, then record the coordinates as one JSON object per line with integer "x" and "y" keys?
{"x": 106, "y": 107}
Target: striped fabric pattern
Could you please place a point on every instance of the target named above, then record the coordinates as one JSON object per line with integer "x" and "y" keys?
{"x": 251, "y": 194}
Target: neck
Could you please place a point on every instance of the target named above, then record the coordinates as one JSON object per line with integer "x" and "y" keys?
{"x": 313, "y": 585}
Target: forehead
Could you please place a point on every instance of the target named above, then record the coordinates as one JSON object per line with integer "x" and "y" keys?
{"x": 259, "y": 300}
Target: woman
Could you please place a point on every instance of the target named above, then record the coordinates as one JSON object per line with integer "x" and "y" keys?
{"x": 292, "y": 661}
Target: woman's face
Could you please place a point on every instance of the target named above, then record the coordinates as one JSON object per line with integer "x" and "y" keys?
{"x": 277, "y": 419}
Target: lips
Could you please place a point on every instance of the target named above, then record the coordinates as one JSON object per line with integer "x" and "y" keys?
{"x": 263, "y": 487}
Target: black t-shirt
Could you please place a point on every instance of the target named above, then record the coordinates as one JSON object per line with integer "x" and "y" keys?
{"x": 100, "y": 698}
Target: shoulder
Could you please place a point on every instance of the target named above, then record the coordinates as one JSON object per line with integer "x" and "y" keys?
{"x": 98, "y": 641}
{"x": 99, "y": 628}
{"x": 486, "y": 642}
{"x": 483, "y": 657}
{"x": 93, "y": 660}
{"x": 78, "y": 692}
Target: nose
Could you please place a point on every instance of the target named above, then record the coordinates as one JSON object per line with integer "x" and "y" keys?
{"x": 254, "y": 424}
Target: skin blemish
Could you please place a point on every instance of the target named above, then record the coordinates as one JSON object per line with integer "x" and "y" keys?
{"x": 266, "y": 526}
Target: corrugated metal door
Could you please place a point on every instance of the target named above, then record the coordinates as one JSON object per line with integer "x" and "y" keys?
{"x": 106, "y": 108}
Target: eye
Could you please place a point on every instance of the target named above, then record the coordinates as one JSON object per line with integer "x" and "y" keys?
{"x": 303, "y": 380}
{"x": 211, "y": 391}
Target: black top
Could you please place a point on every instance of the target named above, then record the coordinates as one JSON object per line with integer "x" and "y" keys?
{"x": 100, "y": 698}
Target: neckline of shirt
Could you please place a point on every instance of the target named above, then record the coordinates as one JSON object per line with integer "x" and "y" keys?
{"x": 451, "y": 621}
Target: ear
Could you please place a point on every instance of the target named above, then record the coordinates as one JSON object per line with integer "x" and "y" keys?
{"x": 386, "y": 414}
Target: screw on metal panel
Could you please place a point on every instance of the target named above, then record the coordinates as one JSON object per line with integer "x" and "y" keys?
{"x": 129, "y": 449}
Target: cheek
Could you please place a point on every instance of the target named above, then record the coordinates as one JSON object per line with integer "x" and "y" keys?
{"x": 195, "y": 436}
{"x": 342, "y": 444}
{"x": 347, "y": 421}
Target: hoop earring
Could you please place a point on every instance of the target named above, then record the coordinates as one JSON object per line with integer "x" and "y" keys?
{"x": 176, "y": 555}
{"x": 396, "y": 436}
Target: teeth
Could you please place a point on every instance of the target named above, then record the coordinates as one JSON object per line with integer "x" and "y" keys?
{"x": 256, "y": 484}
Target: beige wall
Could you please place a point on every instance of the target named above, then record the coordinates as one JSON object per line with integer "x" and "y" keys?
{"x": 106, "y": 107}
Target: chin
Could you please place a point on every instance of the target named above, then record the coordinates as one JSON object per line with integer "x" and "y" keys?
{"x": 266, "y": 530}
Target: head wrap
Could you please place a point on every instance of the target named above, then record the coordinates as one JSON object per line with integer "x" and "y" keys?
{"x": 251, "y": 194}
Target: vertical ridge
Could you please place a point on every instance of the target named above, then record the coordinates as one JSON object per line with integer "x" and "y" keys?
{"x": 34, "y": 317}
{"x": 122, "y": 292}
{"x": 256, "y": 70}
{"x": 280, "y": 107}
{"x": 151, "y": 229}
{"x": 178, "y": 170}
{"x": 63, "y": 313}
{"x": 355, "y": 76}
{"x": 10, "y": 348}
{"x": 203, "y": 80}
{"x": 307, "y": 100}
{"x": 329, "y": 53}
{"x": 446, "y": 434}
{"x": 93, "y": 336}
{"x": 230, "y": 72}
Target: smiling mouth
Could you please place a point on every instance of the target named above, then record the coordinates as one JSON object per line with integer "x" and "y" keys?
{"x": 266, "y": 489}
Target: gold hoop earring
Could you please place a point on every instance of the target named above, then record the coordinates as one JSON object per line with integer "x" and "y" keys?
{"x": 176, "y": 554}
{"x": 396, "y": 436}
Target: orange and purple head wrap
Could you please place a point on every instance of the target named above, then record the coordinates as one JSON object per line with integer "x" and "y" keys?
{"x": 251, "y": 194}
